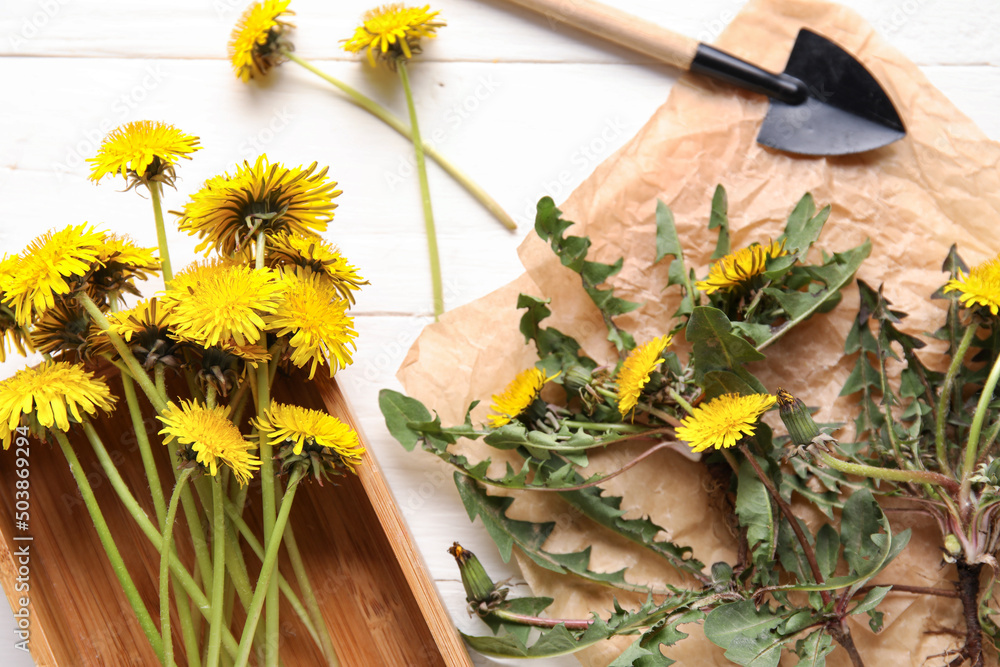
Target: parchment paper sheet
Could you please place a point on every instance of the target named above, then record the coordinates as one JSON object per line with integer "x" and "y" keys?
{"x": 938, "y": 186}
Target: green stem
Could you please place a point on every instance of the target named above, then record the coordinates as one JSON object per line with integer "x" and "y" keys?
{"x": 660, "y": 414}
{"x": 972, "y": 446}
{"x": 601, "y": 426}
{"x": 425, "y": 193}
{"x": 271, "y": 621}
{"x": 133, "y": 507}
{"x": 165, "y": 541}
{"x": 309, "y": 597}
{"x": 273, "y": 542}
{"x": 681, "y": 401}
{"x": 160, "y": 376}
{"x": 153, "y": 535}
{"x": 218, "y": 574}
{"x": 108, "y": 542}
{"x": 286, "y": 590}
{"x": 891, "y": 474}
{"x": 161, "y": 232}
{"x": 124, "y": 352}
{"x": 377, "y": 110}
{"x": 145, "y": 451}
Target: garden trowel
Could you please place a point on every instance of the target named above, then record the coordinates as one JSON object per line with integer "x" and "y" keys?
{"x": 824, "y": 103}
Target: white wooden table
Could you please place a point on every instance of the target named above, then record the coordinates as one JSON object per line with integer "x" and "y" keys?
{"x": 526, "y": 107}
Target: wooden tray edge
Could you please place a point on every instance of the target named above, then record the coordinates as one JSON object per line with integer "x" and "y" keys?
{"x": 424, "y": 591}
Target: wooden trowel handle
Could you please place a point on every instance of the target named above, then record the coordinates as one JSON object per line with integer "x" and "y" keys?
{"x": 621, "y": 28}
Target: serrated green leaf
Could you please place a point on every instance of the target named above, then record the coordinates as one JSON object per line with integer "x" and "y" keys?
{"x": 739, "y": 619}
{"x": 506, "y": 532}
{"x": 813, "y": 649}
{"x": 860, "y": 522}
{"x": 756, "y": 514}
{"x": 757, "y": 333}
{"x": 717, "y": 348}
{"x": 399, "y": 410}
{"x": 872, "y": 599}
{"x": 763, "y": 651}
{"x": 719, "y": 218}
{"x": 827, "y": 549}
{"x": 572, "y": 253}
{"x": 509, "y": 436}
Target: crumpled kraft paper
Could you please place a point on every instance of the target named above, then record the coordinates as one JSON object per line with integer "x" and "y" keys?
{"x": 940, "y": 185}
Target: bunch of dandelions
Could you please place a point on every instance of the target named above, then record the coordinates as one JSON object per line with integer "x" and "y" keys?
{"x": 389, "y": 36}
{"x": 273, "y": 295}
{"x": 701, "y": 399}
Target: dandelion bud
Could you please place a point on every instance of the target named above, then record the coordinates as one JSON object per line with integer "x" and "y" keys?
{"x": 796, "y": 418}
{"x": 952, "y": 547}
{"x": 577, "y": 378}
{"x": 722, "y": 575}
{"x": 480, "y": 590}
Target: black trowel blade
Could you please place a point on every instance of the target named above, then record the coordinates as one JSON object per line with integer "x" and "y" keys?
{"x": 846, "y": 110}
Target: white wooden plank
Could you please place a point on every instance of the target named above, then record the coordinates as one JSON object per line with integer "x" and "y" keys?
{"x": 927, "y": 31}
{"x": 476, "y": 111}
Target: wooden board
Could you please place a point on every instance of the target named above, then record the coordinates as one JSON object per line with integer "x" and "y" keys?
{"x": 376, "y": 597}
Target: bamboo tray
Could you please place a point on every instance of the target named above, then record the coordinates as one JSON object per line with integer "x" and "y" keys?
{"x": 376, "y": 597}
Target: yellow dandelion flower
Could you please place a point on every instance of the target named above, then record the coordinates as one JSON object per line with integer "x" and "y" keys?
{"x": 635, "y": 372}
{"x": 517, "y": 397}
{"x": 142, "y": 151}
{"x": 312, "y": 311}
{"x": 52, "y": 265}
{"x": 723, "y": 421}
{"x": 215, "y": 301}
{"x": 51, "y": 393}
{"x": 318, "y": 256}
{"x": 209, "y": 435}
{"x": 302, "y": 427}
{"x": 393, "y": 31}
{"x": 980, "y": 288}
{"x": 738, "y": 268}
{"x": 229, "y": 211}
{"x": 258, "y": 39}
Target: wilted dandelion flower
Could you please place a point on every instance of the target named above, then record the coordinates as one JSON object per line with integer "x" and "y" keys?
{"x": 317, "y": 256}
{"x": 311, "y": 430}
{"x": 981, "y": 287}
{"x": 52, "y": 265}
{"x": 258, "y": 38}
{"x": 229, "y": 211}
{"x": 142, "y": 151}
{"x": 313, "y": 314}
{"x": 723, "y": 421}
{"x": 49, "y": 395}
{"x": 120, "y": 262}
{"x": 212, "y": 302}
{"x": 146, "y": 331}
{"x": 738, "y": 268}
{"x": 209, "y": 437}
{"x": 517, "y": 396}
{"x": 635, "y": 372}
{"x": 66, "y": 329}
{"x": 393, "y": 31}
